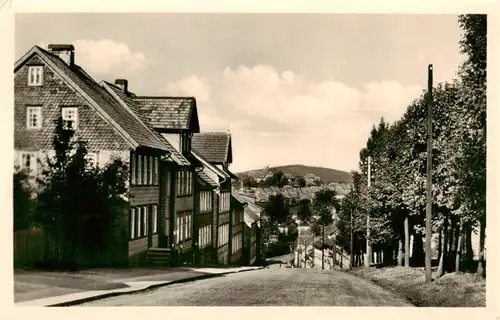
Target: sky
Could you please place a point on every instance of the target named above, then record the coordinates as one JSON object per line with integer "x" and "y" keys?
{"x": 290, "y": 88}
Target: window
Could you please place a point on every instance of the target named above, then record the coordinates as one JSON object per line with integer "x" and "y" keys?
{"x": 155, "y": 171}
{"x": 236, "y": 245}
{"x": 205, "y": 236}
{"x": 93, "y": 159}
{"x": 35, "y": 75}
{"x": 223, "y": 235}
{"x": 139, "y": 169}
{"x": 151, "y": 169}
{"x": 34, "y": 117}
{"x": 144, "y": 221}
{"x": 184, "y": 183}
{"x": 132, "y": 223}
{"x": 145, "y": 169}
{"x": 205, "y": 201}
{"x": 224, "y": 202}
{"x": 154, "y": 219}
{"x": 70, "y": 118}
{"x": 184, "y": 226}
{"x": 133, "y": 168}
{"x": 138, "y": 223}
{"x": 29, "y": 162}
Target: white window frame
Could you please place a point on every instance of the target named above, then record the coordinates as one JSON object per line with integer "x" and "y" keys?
{"x": 139, "y": 169}
{"x": 145, "y": 221}
{"x": 156, "y": 171}
{"x": 35, "y": 111}
{"x": 93, "y": 159}
{"x": 138, "y": 221}
{"x": 150, "y": 171}
{"x": 33, "y": 73}
{"x": 154, "y": 219}
{"x": 133, "y": 168}
{"x": 65, "y": 112}
{"x": 132, "y": 223}
{"x": 33, "y": 161}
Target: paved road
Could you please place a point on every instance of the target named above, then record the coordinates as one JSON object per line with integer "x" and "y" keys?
{"x": 274, "y": 286}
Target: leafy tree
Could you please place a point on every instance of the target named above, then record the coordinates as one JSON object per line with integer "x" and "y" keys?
{"x": 249, "y": 182}
{"x": 23, "y": 200}
{"x": 301, "y": 181}
{"x": 276, "y": 209}
{"x": 304, "y": 211}
{"x": 77, "y": 202}
{"x": 325, "y": 203}
{"x": 472, "y": 74}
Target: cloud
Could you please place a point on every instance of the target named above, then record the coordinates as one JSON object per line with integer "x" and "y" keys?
{"x": 280, "y": 117}
{"x": 192, "y": 86}
{"x": 108, "y": 56}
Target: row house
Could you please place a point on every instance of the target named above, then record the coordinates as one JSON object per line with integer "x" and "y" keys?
{"x": 214, "y": 150}
{"x": 151, "y": 134}
{"x": 209, "y": 178}
{"x": 179, "y": 192}
{"x": 174, "y": 120}
{"x": 49, "y": 85}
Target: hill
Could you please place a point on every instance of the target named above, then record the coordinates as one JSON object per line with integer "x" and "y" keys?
{"x": 326, "y": 174}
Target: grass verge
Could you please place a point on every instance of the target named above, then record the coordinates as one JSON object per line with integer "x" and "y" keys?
{"x": 451, "y": 290}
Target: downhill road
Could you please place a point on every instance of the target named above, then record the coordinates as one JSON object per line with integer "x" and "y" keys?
{"x": 274, "y": 286}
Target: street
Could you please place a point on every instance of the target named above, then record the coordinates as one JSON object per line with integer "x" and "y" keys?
{"x": 274, "y": 286}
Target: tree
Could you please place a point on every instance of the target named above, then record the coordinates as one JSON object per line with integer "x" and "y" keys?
{"x": 325, "y": 202}
{"x": 77, "y": 202}
{"x": 23, "y": 200}
{"x": 276, "y": 209}
{"x": 249, "y": 182}
{"x": 472, "y": 74}
{"x": 301, "y": 181}
{"x": 304, "y": 211}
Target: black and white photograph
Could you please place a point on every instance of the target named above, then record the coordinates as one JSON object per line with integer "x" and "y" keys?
{"x": 249, "y": 159}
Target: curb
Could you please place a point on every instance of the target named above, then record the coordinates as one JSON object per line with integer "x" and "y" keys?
{"x": 153, "y": 286}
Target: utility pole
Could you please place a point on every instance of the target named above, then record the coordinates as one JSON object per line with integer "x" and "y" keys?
{"x": 323, "y": 247}
{"x": 351, "y": 245}
{"x": 368, "y": 258}
{"x": 428, "y": 211}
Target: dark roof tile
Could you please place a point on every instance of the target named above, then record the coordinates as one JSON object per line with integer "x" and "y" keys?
{"x": 214, "y": 146}
{"x": 167, "y": 112}
{"x": 126, "y": 120}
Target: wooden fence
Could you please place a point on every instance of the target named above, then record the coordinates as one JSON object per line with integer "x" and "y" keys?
{"x": 35, "y": 247}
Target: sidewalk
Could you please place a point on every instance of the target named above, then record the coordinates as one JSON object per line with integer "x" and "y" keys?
{"x": 42, "y": 288}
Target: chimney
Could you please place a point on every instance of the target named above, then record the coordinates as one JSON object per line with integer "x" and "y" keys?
{"x": 64, "y": 51}
{"x": 123, "y": 84}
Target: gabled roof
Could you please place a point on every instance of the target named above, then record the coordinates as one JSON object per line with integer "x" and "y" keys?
{"x": 127, "y": 102}
{"x": 304, "y": 224}
{"x": 238, "y": 199}
{"x": 209, "y": 166}
{"x": 214, "y": 146}
{"x": 125, "y": 122}
{"x": 170, "y": 114}
{"x": 205, "y": 180}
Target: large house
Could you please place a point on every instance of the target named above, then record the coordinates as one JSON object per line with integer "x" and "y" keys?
{"x": 179, "y": 198}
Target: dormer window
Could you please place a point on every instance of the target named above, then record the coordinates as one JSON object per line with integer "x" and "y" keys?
{"x": 35, "y": 75}
{"x": 70, "y": 118}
